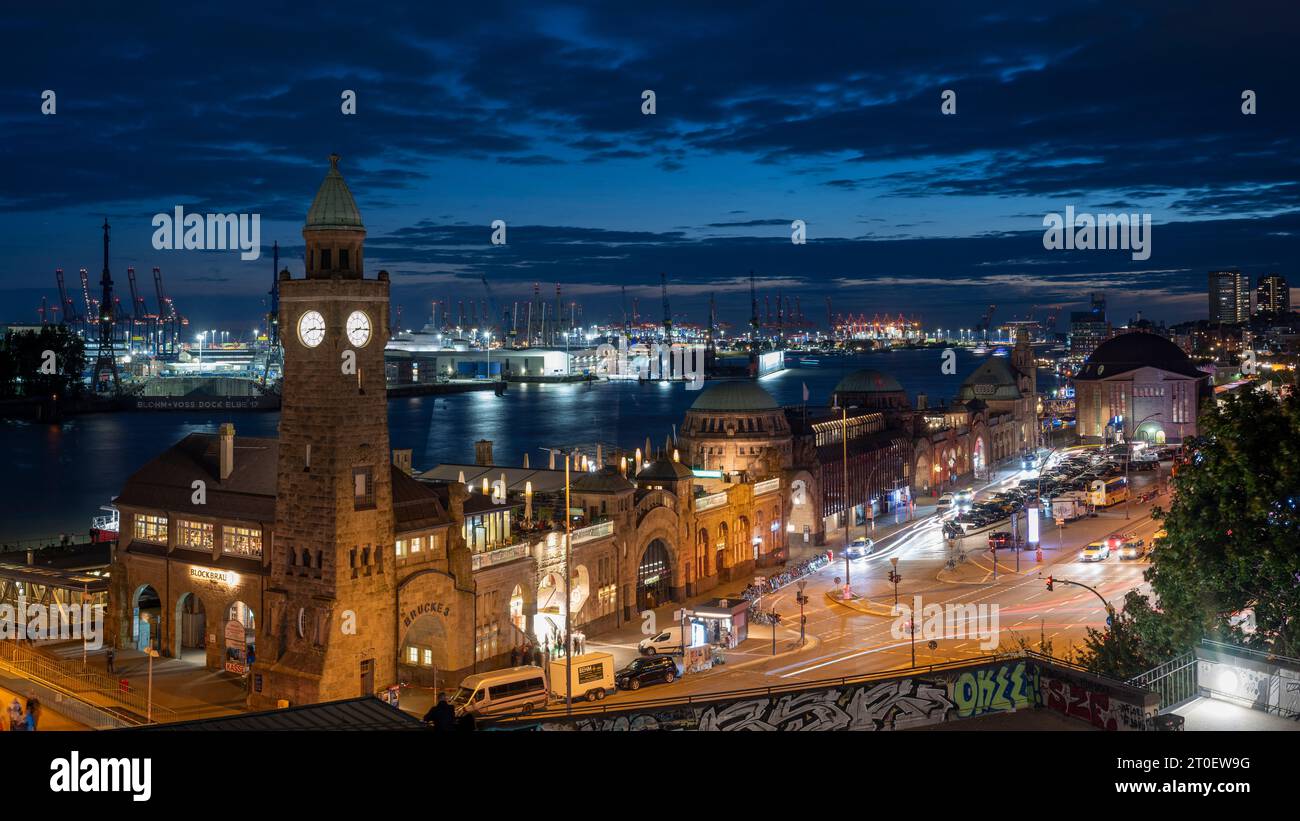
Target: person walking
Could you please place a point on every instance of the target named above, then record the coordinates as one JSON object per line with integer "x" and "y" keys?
{"x": 110, "y": 656}
{"x": 33, "y": 707}
{"x": 15, "y": 715}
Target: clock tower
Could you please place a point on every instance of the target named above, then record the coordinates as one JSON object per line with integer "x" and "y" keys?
{"x": 331, "y": 623}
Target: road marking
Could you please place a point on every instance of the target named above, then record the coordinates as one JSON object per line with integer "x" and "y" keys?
{"x": 845, "y": 658}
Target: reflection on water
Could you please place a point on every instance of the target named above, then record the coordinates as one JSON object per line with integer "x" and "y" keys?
{"x": 58, "y": 476}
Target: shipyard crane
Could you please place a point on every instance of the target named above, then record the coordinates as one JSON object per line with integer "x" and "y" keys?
{"x": 495, "y": 314}
{"x": 668, "y": 317}
{"x": 986, "y": 321}
{"x": 273, "y": 315}
{"x": 106, "y": 376}
{"x": 627, "y": 329}
{"x": 65, "y": 301}
{"x": 167, "y": 339}
{"x": 85, "y": 295}
{"x": 753, "y": 310}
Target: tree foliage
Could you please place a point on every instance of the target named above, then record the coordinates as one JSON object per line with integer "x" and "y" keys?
{"x": 1232, "y": 544}
{"x": 23, "y": 369}
{"x": 1234, "y": 527}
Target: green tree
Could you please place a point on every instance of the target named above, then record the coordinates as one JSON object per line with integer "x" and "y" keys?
{"x": 23, "y": 363}
{"x": 1232, "y": 543}
{"x": 1234, "y": 528}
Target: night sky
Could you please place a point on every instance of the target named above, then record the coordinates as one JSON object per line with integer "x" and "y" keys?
{"x": 531, "y": 113}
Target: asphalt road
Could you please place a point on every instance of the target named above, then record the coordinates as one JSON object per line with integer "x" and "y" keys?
{"x": 847, "y": 642}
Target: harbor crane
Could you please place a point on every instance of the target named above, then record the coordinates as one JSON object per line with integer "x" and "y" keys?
{"x": 668, "y": 318}
{"x": 986, "y": 321}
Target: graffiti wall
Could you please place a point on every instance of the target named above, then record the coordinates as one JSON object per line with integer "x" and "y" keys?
{"x": 1103, "y": 705}
{"x": 1003, "y": 688}
{"x": 896, "y": 704}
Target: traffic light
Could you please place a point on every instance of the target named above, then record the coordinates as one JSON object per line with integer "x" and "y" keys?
{"x": 1049, "y": 582}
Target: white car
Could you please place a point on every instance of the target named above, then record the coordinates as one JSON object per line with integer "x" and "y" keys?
{"x": 860, "y": 547}
{"x": 945, "y": 503}
{"x": 1095, "y": 552}
{"x": 668, "y": 641}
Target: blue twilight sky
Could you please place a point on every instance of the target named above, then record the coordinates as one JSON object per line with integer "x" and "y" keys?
{"x": 766, "y": 113}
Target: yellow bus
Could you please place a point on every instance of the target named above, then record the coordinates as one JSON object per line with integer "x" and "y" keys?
{"x": 1109, "y": 491}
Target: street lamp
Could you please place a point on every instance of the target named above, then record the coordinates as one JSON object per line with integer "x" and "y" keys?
{"x": 568, "y": 598}
{"x": 848, "y": 584}
{"x": 152, "y": 654}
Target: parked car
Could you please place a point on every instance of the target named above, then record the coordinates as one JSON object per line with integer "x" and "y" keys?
{"x": 647, "y": 670}
{"x": 666, "y": 641}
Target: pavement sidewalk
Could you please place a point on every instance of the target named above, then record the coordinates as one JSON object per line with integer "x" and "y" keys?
{"x": 182, "y": 690}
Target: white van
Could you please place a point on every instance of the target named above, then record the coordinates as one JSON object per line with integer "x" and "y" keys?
{"x": 592, "y": 676}
{"x": 515, "y": 689}
{"x": 665, "y": 641}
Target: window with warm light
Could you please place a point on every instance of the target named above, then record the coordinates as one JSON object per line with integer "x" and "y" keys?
{"x": 194, "y": 535}
{"x": 151, "y": 529}
{"x": 241, "y": 541}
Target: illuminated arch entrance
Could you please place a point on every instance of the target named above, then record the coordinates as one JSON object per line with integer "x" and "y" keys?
{"x": 654, "y": 576}
{"x": 146, "y": 618}
{"x": 190, "y": 625}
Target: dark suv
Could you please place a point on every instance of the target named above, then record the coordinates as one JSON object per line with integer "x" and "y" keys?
{"x": 646, "y": 670}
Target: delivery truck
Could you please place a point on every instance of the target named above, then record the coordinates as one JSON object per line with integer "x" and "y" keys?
{"x": 1070, "y": 506}
{"x": 591, "y": 674}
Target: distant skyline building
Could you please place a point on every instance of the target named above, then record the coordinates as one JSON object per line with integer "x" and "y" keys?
{"x": 1229, "y": 296}
{"x": 1089, "y": 328}
{"x": 1272, "y": 294}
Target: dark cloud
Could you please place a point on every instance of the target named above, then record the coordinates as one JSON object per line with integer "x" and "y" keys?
{"x": 1108, "y": 106}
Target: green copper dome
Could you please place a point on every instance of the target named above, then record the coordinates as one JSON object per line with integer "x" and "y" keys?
{"x": 735, "y": 397}
{"x": 334, "y": 206}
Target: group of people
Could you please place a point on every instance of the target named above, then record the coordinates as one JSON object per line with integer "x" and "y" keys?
{"x": 20, "y": 719}
{"x": 551, "y": 647}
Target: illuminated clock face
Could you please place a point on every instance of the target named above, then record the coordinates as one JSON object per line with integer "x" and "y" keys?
{"x": 358, "y": 328}
{"x": 311, "y": 328}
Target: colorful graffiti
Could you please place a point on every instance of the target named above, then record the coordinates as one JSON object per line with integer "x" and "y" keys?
{"x": 895, "y": 704}
{"x": 1091, "y": 703}
{"x": 1004, "y": 688}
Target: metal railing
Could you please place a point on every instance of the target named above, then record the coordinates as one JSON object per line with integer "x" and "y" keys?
{"x": 67, "y": 676}
{"x": 1174, "y": 681}
{"x": 1246, "y": 651}
{"x": 70, "y": 706}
